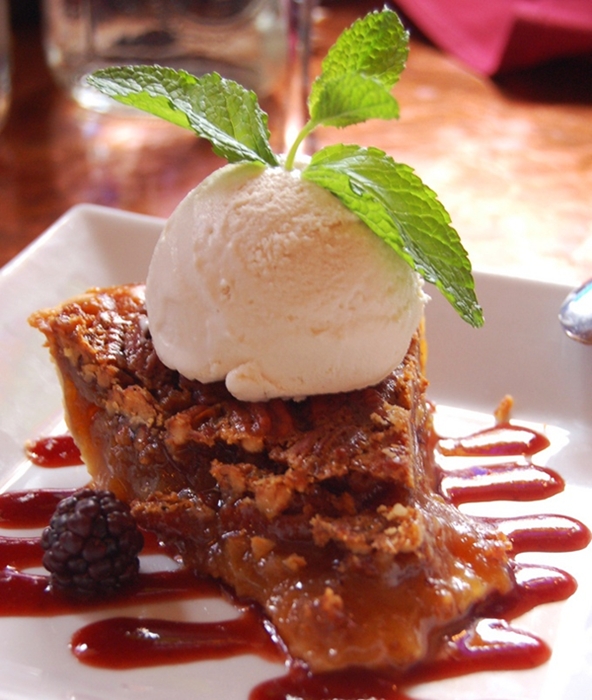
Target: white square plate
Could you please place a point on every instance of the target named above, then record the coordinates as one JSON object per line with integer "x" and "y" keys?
{"x": 520, "y": 351}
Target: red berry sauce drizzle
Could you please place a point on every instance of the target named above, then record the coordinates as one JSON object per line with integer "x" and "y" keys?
{"x": 488, "y": 642}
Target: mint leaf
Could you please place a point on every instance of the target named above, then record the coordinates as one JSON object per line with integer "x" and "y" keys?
{"x": 376, "y": 45}
{"x": 374, "y": 48}
{"x": 219, "y": 110}
{"x": 353, "y": 99}
{"x": 394, "y": 203}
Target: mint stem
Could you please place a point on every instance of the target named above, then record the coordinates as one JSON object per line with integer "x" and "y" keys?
{"x": 304, "y": 132}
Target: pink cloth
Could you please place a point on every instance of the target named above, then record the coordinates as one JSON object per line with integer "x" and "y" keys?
{"x": 493, "y": 36}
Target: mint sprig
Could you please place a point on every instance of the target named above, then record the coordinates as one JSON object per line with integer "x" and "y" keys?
{"x": 357, "y": 76}
{"x": 355, "y": 85}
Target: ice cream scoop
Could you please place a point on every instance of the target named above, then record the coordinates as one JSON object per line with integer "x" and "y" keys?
{"x": 267, "y": 281}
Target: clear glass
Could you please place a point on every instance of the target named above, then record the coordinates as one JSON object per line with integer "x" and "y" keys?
{"x": 5, "y": 84}
{"x": 245, "y": 40}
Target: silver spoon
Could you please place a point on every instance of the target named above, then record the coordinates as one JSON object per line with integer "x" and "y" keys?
{"x": 575, "y": 314}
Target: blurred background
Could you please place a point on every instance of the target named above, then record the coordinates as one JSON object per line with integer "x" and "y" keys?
{"x": 503, "y": 135}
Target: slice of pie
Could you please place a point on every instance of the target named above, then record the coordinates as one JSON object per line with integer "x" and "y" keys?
{"x": 324, "y": 511}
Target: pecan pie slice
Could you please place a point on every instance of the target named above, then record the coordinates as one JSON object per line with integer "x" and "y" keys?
{"x": 323, "y": 511}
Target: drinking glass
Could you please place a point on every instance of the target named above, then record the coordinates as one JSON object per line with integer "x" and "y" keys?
{"x": 5, "y": 82}
{"x": 245, "y": 40}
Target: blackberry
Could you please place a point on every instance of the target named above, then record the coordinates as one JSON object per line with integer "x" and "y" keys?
{"x": 91, "y": 544}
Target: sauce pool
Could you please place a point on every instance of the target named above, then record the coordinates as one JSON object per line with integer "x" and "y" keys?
{"x": 53, "y": 451}
{"x": 488, "y": 642}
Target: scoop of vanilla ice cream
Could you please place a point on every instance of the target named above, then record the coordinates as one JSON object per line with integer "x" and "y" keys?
{"x": 269, "y": 282}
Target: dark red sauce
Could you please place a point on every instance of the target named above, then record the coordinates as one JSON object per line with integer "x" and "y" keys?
{"x": 544, "y": 533}
{"x": 22, "y": 509}
{"x": 54, "y": 451}
{"x": 129, "y": 642}
{"x": 504, "y": 439}
{"x": 488, "y": 642}
{"x": 26, "y": 594}
{"x": 502, "y": 481}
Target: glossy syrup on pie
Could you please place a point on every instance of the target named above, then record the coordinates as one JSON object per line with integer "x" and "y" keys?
{"x": 488, "y": 641}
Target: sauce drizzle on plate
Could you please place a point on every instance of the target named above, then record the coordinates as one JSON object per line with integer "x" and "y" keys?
{"x": 488, "y": 640}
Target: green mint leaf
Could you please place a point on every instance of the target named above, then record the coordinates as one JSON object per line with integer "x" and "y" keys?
{"x": 394, "y": 203}
{"x": 353, "y": 99}
{"x": 374, "y": 48}
{"x": 219, "y": 110}
{"x": 376, "y": 45}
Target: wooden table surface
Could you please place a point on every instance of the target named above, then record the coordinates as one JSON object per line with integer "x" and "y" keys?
{"x": 511, "y": 159}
